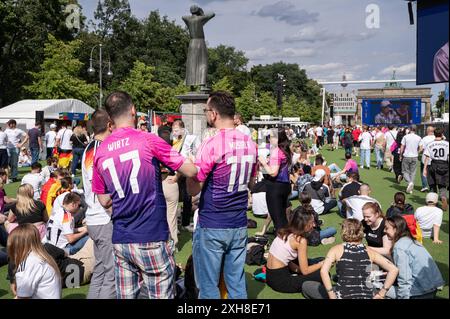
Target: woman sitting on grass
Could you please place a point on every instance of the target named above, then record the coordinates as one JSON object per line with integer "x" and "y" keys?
{"x": 419, "y": 277}
{"x": 27, "y": 210}
{"x": 399, "y": 207}
{"x": 35, "y": 272}
{"x": 353, "y": 268}
{"x": 290, "y": 246}
{"x": 373, "y": 224}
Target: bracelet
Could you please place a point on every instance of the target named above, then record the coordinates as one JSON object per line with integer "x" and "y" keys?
{"x": 330, "y": 290}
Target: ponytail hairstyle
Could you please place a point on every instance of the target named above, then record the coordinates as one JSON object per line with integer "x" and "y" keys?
{"x": 376, "y": 209}
{"x": 297, "y": 226}
{"x": 399, "y": 200}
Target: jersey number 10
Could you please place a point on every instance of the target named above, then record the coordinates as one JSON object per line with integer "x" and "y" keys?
{"x": 130, "y": 156}
{"x": 244, "y": 179}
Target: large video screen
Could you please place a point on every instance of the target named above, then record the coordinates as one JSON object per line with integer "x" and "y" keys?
{"x": 393, "y": 111}
{"x": 432, "y": 41}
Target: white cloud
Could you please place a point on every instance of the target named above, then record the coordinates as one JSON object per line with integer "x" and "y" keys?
{"x": 311, "y": 34}
{"x": 264, "y": 53}
{"x": 405, "y": 69}
{"x": 316, "y": 68}
{"x": 288, "y": 12}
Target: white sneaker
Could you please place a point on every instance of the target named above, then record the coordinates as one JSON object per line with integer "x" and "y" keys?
{"x": 189, "y": 228}
{"x": 410, "y": 188}
{"x": 424, "y": 189}
{"x": 362, "y": 166}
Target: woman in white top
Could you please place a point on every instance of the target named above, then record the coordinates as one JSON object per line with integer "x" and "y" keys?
{"x": 36, "y": 274}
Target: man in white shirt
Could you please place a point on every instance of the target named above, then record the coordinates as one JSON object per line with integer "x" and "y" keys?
{"x": 15, "y": 136}
{"x": 35, "y": 179}
{"x": 61, "y": 231}
{"x": 355, "y": 203}
{"x": 390, "y": 136}
{"x": 429, "y": 218}
{"x": 64, "y": 145}
{"x": 409, "y": 152}
{"x": 422, "y": 145}
{"x": 50, "y": 139}
{"x": 319, "y": 134}
{"x": 3, "y": 149}
{"x": 239, "y": 124}
{"x": 365, "y": 139}
{"x": 98, "y": 220}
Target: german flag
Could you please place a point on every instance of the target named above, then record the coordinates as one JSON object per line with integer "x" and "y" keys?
{"x": 65, "y": 157}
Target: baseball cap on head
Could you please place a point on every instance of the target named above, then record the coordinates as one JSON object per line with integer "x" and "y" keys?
{"x": 319, "y": 174}
{"x": 432, "y": 198}
{"x": 385, "y": 103}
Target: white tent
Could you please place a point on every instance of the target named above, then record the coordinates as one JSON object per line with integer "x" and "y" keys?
{"x": 24, "y": 112}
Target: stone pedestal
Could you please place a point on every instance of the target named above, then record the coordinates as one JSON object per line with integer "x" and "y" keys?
{"x": 192, "y": 105}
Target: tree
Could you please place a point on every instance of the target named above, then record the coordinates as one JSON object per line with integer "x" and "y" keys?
{"x": 223, "y": 85}
{"x": 442, "y": 104}
{"x": 225, "y": 61}
{"x": 141, "y": 86}
{"x": 24, "y": 26}
{"x": 167, "y": 98}
{"x": 58, "y": 77}
{"x": 247, "y": 103}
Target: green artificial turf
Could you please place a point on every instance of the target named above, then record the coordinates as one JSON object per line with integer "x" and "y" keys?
{"x": 383, "y": 187}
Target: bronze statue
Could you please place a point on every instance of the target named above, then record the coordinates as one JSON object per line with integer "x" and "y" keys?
{"x": 197, "y": 58}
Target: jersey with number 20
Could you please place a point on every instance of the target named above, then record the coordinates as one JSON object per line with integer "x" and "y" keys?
{"x": 226, "y": 163}
{"x": 127, "y": 166}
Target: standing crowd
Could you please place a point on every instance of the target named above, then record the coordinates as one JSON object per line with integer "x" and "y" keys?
{"x": 120, "y": 230}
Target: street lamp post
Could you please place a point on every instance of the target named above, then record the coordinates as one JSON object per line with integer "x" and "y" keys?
{"x": 91, "y": 70}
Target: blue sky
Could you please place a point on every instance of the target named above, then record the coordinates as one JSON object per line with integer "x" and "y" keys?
{"x": 326, "y": 37}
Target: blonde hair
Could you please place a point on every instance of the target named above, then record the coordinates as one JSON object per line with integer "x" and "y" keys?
{"x": 352, "y": 230}
{"x": 78, "y": 130}
{"x": 25, "y": 201}
{"x": 25, "y": 239}
{"x": 376, "y": 209}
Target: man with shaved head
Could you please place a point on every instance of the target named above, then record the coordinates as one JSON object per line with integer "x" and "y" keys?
{"x": 355, "y": 203}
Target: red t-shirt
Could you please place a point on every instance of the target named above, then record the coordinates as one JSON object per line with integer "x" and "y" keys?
{"x": 356, "y": 133}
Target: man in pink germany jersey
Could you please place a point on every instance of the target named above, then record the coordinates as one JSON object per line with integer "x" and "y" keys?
{"x": 226, "y": 169}
{"x": 127, "y": 177}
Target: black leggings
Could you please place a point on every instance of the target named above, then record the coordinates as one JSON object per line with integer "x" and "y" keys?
{"x": 186, "y": 213}
{"x": 277, "y": 196}
{"x": 282, "y": 280}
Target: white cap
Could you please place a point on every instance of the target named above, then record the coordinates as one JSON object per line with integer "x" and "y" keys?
{"x": 52, "y": 126}
{"x": 320, "y": 173}
{"x": 432, "y": 198}
{"x": 385, "y": 103}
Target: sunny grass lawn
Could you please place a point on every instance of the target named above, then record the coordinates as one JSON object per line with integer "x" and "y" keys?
{"x": 384, "y": 188}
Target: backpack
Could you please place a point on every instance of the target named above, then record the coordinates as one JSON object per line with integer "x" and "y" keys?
{"x": 414, "y": 227}
{"x": 255, "y": 255}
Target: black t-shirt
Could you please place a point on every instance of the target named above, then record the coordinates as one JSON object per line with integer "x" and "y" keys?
{"x": 33, "y": 135}
{"x": 374, "y": 238}
{"x": 37, "y": 214}
{"x": 78, "y": 141}
{"x": 350, "y": 190}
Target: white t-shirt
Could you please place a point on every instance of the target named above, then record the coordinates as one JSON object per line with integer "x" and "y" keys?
{"x": 427, "y": 217}
{"x": 244, "y": 129}
{"x": 3, "y": 140}
{"x": 424, "y": 143}
{"x": 355, "y": 204}
{"x": 64, "y": 135}
{"x": 37, "y": 280}
{"x": 365, "y": 138}
{"x": 319, "y": 131}
{"x": 37, "y": 181}
{"x": 259, "y": 204}
{"x": 14, "y": 136}
{"x": 411, "y": 142}
{"x": 60, "y": 224}
{"x": 95, "y": 213}
{"x": 50, "y": 138}
{"x": 390, "y": 138}
{"x": 437, "y": 150}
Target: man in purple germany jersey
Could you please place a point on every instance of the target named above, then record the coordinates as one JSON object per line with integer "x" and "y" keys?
{"x": 127, "y": 177}
{"x": 226, "y": 168}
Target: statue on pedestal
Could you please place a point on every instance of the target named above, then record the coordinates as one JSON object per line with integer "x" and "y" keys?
{"x": 197, "y": 58}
